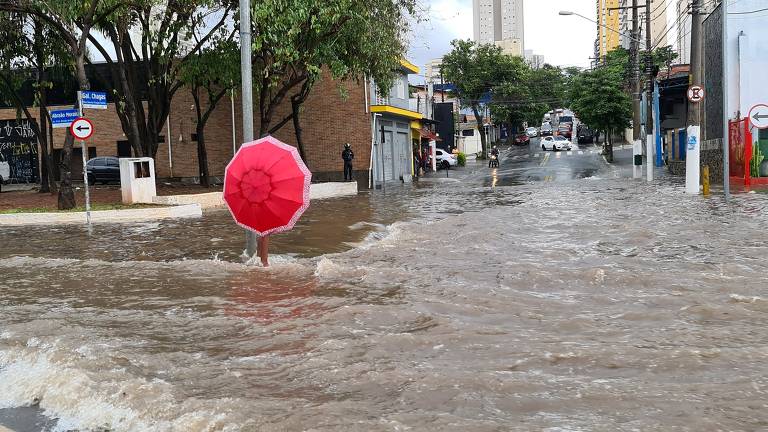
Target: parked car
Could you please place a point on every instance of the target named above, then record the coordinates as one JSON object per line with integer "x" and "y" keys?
{"x": 445, "y": 159}
{"x": 564, "y": 130}
{"x": 103, "y": 169}
{"x": 564, "y": 143}
{"x": 546, "y": 129}
{"x": 585, "y": 135}
{"x": 522, "y": 139}
{"x": 532, "y": 132}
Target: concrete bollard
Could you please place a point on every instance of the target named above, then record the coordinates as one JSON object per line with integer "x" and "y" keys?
{"x": 705, "y": 179}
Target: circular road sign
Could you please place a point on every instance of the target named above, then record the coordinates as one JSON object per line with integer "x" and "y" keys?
{"x": 695, "y": 93}
{"x": 81, "y": 128}
{"x": 758, "y": 116}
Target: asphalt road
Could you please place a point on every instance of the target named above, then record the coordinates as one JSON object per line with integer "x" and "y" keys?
{"x": 529, "y": 164}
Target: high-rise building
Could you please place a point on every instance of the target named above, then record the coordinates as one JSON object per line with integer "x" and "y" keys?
{"x": 499, "y": 21}
{"x": 608, "y": 26}
{"x": 535, "y": 61}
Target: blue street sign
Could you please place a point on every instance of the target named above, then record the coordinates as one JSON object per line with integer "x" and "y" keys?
{"x": 63, "y": 118}
{"x": 94, "y": 100}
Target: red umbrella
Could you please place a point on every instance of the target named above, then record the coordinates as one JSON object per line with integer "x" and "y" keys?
{"x": 266, "y": 186}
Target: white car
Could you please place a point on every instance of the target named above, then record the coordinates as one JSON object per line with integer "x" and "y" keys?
{"x": 555, "y": 143}
{"x": 445, "y": 159}
{"x": 532, "y": 132}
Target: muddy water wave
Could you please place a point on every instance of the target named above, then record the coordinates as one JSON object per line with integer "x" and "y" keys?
{"x": 605, "y": 305}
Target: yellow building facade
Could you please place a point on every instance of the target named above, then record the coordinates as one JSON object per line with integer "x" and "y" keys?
{"x": 607, "y": 38}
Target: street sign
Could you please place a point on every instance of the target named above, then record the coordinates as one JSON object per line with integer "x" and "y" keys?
{"x": 758, "y": 116}
{"x": 63, "y": 118}
{"x": 695, "y": 93}
{"x": 93, "y": 100}
{"x": 82, "y": 128}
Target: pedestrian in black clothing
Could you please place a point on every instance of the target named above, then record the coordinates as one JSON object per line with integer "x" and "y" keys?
{"x": 347, "y": 155}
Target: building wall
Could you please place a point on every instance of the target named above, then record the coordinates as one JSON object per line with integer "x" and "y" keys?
{"x": 511, "y": 47}
{"x": 328, "y": 121}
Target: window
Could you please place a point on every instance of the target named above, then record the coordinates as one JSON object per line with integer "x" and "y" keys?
{"x": 398, "y": 90}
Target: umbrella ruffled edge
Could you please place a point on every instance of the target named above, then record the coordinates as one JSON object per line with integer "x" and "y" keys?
{"x": 307, "y": 182}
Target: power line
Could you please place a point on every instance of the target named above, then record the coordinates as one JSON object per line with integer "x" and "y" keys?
{"x": 749, "y": 12}
{"x": 675, "y": 24}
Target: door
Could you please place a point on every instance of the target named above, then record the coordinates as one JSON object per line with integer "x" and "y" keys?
{"x": 388, "y": 148}
{"x": 403, "y": 155}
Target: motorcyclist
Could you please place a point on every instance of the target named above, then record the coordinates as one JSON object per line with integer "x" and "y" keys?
{"x": 494, "y": 154}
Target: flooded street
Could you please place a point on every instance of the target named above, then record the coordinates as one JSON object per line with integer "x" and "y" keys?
{"x": 551, "y": 294}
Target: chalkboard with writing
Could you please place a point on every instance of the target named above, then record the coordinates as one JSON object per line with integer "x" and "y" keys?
{"x": 18, "y": 147}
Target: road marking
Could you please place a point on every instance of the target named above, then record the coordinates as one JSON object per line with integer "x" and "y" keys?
{"x": 544, "y": 160}
{"x": 558, "y": 155}
{"x": 581, "y": 152}
{"x": 537, "y": 155}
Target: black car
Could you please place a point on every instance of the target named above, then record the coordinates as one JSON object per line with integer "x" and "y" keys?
{"x": 103, "y": 169}
{"x": 585, "y": 135}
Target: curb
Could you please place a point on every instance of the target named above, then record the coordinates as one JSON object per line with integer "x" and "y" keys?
{"x": 103, "y": 216}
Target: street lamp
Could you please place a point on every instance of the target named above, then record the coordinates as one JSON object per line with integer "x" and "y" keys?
{"x": 569, "y": 13}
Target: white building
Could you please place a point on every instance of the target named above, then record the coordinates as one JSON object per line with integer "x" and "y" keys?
{"x": 432, "y": 70}
{"x": 498, "y": 20}
{"x": 660, "y": 36}
{"x": 535, "y": 61}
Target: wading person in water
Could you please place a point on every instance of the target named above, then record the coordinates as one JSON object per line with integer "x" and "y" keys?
{"x": 347, "y": 155}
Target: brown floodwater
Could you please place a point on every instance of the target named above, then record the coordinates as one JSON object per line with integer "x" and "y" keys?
{"x": 605, "y": 305}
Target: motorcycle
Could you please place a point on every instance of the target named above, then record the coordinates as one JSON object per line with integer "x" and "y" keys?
{"x": 493, "y": 162}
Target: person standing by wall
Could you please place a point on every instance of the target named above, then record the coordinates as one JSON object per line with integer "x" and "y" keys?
{"x": 347, "y": 155}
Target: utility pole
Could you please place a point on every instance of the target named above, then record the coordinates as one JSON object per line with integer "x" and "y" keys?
{"x": 637, "y": 146}
{"x": 247, "y": 95}
{"x": 649, "y": 108}
{"x": 692, "y": 155}
{"x": 726, "y": 129}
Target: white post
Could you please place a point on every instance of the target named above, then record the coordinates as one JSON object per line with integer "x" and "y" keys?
{"x": 649, "y": 147}
{"x": 692, "y": 156}
{"x": 726, "y": 128}
{"x": 170, "y": 151}
{"x": 637, "y": 159}
{"x": 84, "y": 150}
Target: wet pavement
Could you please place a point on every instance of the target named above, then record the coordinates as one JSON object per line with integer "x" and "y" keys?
{"x": 553, "y": 293}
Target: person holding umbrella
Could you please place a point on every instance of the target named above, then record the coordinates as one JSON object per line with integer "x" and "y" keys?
{"x": 347, "y": 155}
{"x": 266, "y": 188}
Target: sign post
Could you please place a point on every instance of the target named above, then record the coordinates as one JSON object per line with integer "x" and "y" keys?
{"x": 82, "y": 129}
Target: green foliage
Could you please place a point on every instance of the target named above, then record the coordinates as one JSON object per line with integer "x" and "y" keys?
{"x": 461, "y": 158}
{"x": 599, "y": 99}
{"x": 757, "y": 159}
{"x": 664, "y": 56}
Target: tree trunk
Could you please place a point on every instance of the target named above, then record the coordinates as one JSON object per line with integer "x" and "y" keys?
{"x": 51, "y": 161}
{"x": 66, "y": 193}
{"x": 202, "y": 156}
{"x": 480, "y": 128}
{"x": 296, "y": 108}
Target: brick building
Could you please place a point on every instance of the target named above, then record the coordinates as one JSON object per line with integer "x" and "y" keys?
{"x": 329, "y": 119}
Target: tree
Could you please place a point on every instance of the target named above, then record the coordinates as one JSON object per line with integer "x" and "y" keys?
{"x": 295, "y": 40}
{"x": 213, "y": 70}
{"x": 152, "y": 41}
{"x": 601, "y": 101}
{"x": 474, "y": 70}
{"x": 72, "y": 20}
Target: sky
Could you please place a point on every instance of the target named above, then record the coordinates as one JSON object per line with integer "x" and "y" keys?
{"x": 562, "y": 40}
